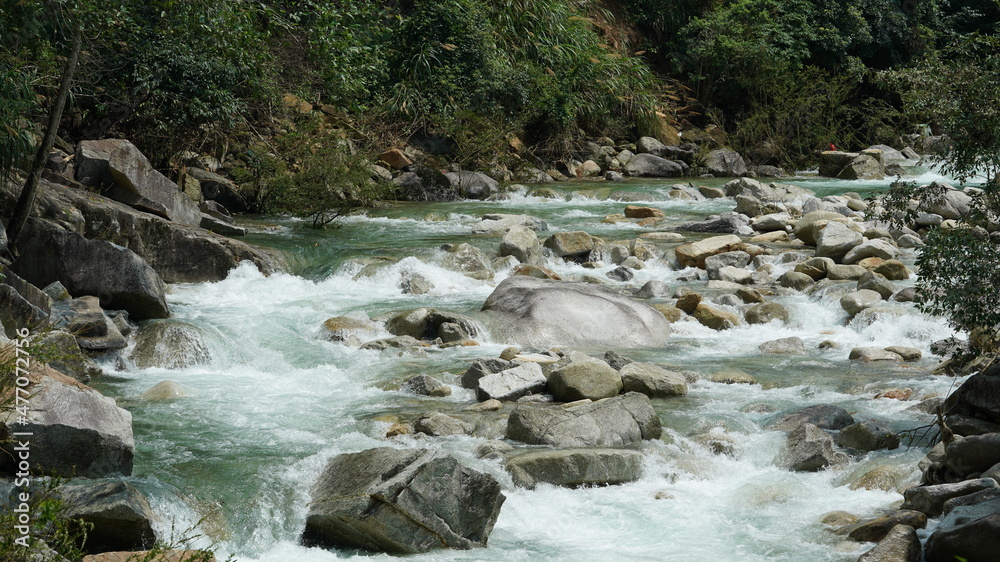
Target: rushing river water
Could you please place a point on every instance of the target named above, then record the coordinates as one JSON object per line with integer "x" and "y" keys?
{"x": 235, "y": 460}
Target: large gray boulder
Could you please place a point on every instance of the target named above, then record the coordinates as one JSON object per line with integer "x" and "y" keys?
{"x": 120, "y": 516}
{"x": 953, "y": 204}
{"x": 575, "y": 243}
{"x": 130, "y": 178}
{"x": 572, "y": 468}
{"x": 179, "y": 253}
{"x": 970, "y": 533}
{"x": 867, "y": 435}
{"x": 76, "y": 431}
{"x": 544, "y": 313}
{"x": 725, "y": 163}
{"x": 482, "y": 367}
{"x": 648, "y": 165}
{"x": 617, "y": 421}
{"x": 120, "y": 278}
{"x": 401, "y": 501}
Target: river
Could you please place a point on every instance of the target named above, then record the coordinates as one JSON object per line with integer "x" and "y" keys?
{"x": 234, "y": 460}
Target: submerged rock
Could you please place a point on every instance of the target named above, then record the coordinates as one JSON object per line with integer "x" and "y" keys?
{"x": 169, "y": 344}
{"x": 401, "y": 501}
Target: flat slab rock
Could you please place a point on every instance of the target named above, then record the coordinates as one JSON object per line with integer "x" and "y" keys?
{"x": 572, "y": 468}
{"x": 401, "y": 501}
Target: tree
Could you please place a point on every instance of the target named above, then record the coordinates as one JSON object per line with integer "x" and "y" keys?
{"x": 22, "y": 209}
{"x": 958, "y": 91}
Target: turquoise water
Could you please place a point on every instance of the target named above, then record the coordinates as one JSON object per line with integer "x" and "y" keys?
{"x": 235, "y": 459}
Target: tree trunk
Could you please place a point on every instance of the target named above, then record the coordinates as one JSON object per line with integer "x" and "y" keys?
{"x": 27, "y": 198}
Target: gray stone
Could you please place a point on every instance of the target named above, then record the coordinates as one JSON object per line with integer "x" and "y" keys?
{"x": 472, "y": 185}
{"x": 953, "y": 204}
{"x": 795, "y": 280}
{"x": 401, "y": 501}
{"x": 872, "y": 354}
{"x": 426, "y": 385}
{"x": 169, "y": 344}
{"x": 809, "y": 449}
{"x": 978, "y": 396}
{"x": 437, "y": 424}
{"x": 973, "y": 454}
{"x": 572, "y": 468}
{"x": 57, "y": 292}
{"x": 570, "y": 244}
{"x": 83, "y": 317}
{"x": 969, "y": 533}
{"x": 496, "y": 223}
{"x": 840, "y": 272}
{"x": 653, "y": 381}
{"x": 784, "y": 346}
{"x": 901, "y": 544}
{"x": 864, "y": 167}
{"x": 415, "y": 284}
{"x": 736, "y": 275}
{"x": 824, "y": 416}
{"x": 67, "y": 357}
{"x": 76, "y": 431}
{"x": 648, "y": 165}
{"x": 221, "y": 227}
{"x": 615, "y": 360}
{"x": 807, "y": 229}
{"x": 874, "y": 530}
{"x": 120, "y": 278}
{"x": 522, "y": 243}
{"x": 482, "y": 367}
{"x": 907, "y": 353}
{"x": 617, "y": 421}
{"x": 877, "y": 248}
{"x": 770, "y": 192}
{"x": 725, "y": 163}
{"x": 876, "y": 282}
{"x": 511, "y": 384}
{"x": 120, "y": 515}
{"x": 16, "y": 312}
{"x": 620, "y": 273}
{"x": 426, "y": 323}
{"x": 763, "y": 313}
{"x": 583, "y": 378}
{"x": 817, "y": 268}
{"x": 867, "y": 435}
{"x": 831, "y": 162}
{"x": 716, "y": 262}
{"x": 695, "y": 254}
{"x": 469, "y": 260}
{"x": 860, "y": 300}
{"x": 931, "y": 499}
{"x": 835, "y": 240}
{"x": 653, "y": 289}
{"x": 127, "y": 176}
{"x": 544, "y": 313}
{"x": 405, "y": 343}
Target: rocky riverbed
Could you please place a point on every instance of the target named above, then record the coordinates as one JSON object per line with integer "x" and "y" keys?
{"x": 710, "y": 369}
